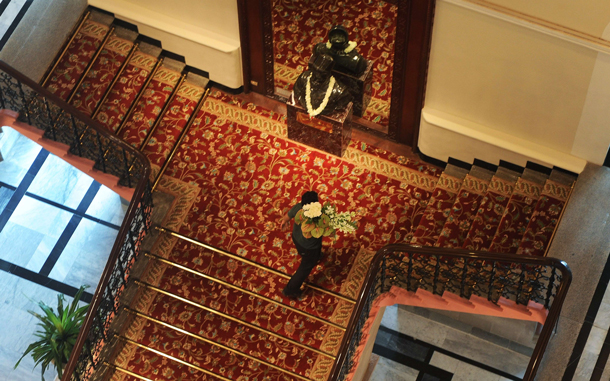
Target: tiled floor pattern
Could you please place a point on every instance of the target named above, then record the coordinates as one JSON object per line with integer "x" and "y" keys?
{"x": 58, "y": 237}
{"x": 417, "y": 342}
{"x": 11, "y": 15}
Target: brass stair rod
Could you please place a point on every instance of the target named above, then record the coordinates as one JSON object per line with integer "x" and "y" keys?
{"x": 245, "y": 291}
{"x": 180, "y": 138}
{"x": 252, "y": 263}
{"x": 219, "y": 345}
{"x": 80, "y": 25}
{"x": 123, "y": 370}
{"x": 89, "y": 66}
{"x": 140, "y": 93}
{"x": 232, "y": 318}
{"x": 114, "y": 80}
{"x": 129, "y": 341}
{"x": 159, "y": 118}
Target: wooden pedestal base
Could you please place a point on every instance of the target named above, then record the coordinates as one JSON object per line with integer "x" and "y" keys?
{"x": 329, "y": 133}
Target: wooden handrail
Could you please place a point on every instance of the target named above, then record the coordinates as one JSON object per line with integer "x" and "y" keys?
{"x": 140, "y": 189}
{"x": 374, "y": 269}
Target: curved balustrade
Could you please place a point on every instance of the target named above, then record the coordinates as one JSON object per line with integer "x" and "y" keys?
{"x": 88, "y": 139}
{"x": 490, "y": 275}
{"x": 518, "y": 278}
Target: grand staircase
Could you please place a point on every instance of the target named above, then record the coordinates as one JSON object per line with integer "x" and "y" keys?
{"x": 204, "y": 308}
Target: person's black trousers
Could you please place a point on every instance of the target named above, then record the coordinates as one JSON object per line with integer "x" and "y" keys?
{"x": 309, "y": 259}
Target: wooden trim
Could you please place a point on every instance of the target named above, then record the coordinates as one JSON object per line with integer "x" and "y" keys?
{"x": 242, "y": 15}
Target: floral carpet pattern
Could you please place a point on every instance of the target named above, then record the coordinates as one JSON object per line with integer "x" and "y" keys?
{"x": 123, "y": 94}
{"x": 151, "y": 104}
{"x": 104, "y": 69}
{"x": 488, "y": 216}
{"x": 210, "y": 300}
{"x": 462, "y": 213}
{"x": 544, "y": 219}
{"x": 516, "y": 217}
{"x": 299, "y": 25}
{"x": 72, "y": 64}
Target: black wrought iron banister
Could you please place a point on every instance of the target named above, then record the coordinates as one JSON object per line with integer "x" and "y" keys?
{"x": 88, "y": 139}
{"x": 490, "y": 275}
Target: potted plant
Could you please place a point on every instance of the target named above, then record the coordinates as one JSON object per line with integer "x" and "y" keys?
{"x": 57, "y": 333}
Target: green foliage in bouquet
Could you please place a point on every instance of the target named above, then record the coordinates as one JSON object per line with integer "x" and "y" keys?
{"x": 324, "y": 221}
{"x": 57, "y": 333}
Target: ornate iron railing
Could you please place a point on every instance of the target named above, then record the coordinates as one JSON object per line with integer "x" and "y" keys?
{"x": 489, "y": 275}
{"x": 88, "y": 139}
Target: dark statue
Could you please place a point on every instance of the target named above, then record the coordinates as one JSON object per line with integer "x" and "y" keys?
{"x": 323, "y": 88}
{"x": 344, "y": 53}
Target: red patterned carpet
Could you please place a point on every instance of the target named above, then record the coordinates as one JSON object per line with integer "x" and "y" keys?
{"x": 103, "y": 71}
{"x": 72, "y": 64}
{"x": 217, "y": 312}
{"x": 300, "y": 25}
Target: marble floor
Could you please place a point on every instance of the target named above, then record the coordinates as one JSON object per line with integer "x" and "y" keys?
{"x": 10, "y": 16}
{"x": 57, "y": 226}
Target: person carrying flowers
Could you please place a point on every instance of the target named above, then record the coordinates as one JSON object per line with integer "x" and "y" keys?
{"x": 312, "y": 222}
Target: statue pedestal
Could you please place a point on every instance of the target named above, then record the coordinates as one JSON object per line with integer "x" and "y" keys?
{"x": 359, "y": 87}
{"x": 329, "y": 133}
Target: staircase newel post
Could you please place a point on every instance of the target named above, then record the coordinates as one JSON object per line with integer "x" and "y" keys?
{"x": 409, "y": 271}
{"x": 24, "y": 109}
{"x": 437, "y": 269}
{"x": 382, "y": 275}
{"x": 492, "y": 278}
{"x": 101, "y": 152}
{"x": 549, "y": 289}
{"x": 463, "y": 281}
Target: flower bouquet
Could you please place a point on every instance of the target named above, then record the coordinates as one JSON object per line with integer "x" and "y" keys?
{"x": 323, "y": 221}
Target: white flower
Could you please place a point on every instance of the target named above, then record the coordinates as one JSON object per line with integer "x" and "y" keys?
{"x": 312, "y": 210}
{"x": 322, "y": 105}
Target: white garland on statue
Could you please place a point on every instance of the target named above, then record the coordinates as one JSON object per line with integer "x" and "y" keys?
{"x": 322, "y": 106}
{"x": 350, "y": 46}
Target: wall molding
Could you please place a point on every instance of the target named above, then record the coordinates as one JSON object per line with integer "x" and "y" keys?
{"x": 443, "y": 135}
{"x": 536, "y": 24}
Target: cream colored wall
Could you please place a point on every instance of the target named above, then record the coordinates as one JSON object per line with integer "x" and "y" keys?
{"x": 518, "y": 80}
{"x": 587, "y": 16}
{"x": 205, "y": 32}
{"x": 219, "y": 16}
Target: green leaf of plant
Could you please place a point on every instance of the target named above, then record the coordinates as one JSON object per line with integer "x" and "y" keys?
{"x": 317, "y": 232}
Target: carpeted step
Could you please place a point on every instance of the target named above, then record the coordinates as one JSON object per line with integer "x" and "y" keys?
{"x": 491, "y": 209}
{"x": 74, "y": 61}
{"x": 518, "y": 212}
{"x": 464, "y": 208}
{"x": 250, "y": 177}
{"x": 439, "y": 206}
{"x": 266, "y": 315}
{"x": 394, "y": 158}
{"x": 156, "y": 367}
{"x": 113, "y": 109}
{"x": 103, "y": 71}
{"x": 230, "y": 364}
{"x": 267, "y": 346}
{"x": 546, "y": 215}
{"x": 258, "y": 280}
{"x": 180, "y": 110}
{"x": 151, "y": 104}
